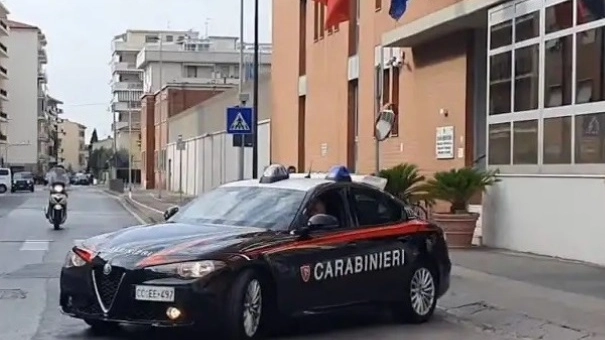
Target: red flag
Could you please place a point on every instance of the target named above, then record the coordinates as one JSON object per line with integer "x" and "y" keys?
{"x": 338, "y": 11}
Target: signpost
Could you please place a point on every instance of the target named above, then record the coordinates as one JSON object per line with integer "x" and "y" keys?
{"x": 239, "y": 124}
{"x": 180, "y": 146}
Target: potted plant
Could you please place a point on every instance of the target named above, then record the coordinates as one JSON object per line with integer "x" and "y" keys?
{"x": 405, "y": 182}
{"x": 457, "y": 187}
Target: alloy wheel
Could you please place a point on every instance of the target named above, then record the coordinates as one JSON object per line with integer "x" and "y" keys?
{"x": 422, "y": 291}
{"x": 253, "y": 304}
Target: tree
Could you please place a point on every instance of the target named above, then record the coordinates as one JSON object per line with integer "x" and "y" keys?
{"x": 99, "y": 160}
{"x": 93, "y": 139}
{"x": 122, "y": 159}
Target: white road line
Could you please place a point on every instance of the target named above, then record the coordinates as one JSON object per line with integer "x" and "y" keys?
{"x": 76, "y": 242}
{"x": 35, "y": 245}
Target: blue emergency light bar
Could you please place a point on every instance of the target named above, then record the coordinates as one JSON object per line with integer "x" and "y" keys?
{"x": 339, "y": 173}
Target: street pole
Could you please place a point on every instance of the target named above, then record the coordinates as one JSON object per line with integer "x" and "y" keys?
{"x": 160, "y": 154}
{"x": 255, "y": 97}
{"x": 242, "y": 147}
{"x": 379, "y": 99}
{"x": 114, "y": 172}
{"x": 129, "y": 150}
{"x": 180, "y": 146}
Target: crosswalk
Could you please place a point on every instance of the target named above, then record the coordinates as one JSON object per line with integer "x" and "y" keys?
{"x": 39, "y": 245}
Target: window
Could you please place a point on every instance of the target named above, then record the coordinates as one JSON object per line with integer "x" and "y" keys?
{"x": 501, "y": 34}
{"x": 557, "y": 140}
{"x": 302, "y": 39}
{"x": 386, "y": 86}
{"x": 395, "y": 100}
{"x": 378, "y": 4}
{"x": 500, "y": 83}
{"x": 525, "y": 142}
{"x": 590, "y": 66}
{"x": 559, "y": 17}
{"x": 590, "y": 138}
{"x": 333, "y": 202}
{"x": 261, "y": 207}
{"x": 499, "y": 144}
{"x": 322, "y": 21}
{"x": 190, "y": 71}
{"x": 558, "y": 68}
{"x": 373, "y": 208}
{"x": 590, "y": 10}
{"x": 316, "y": 5}
{"x": 169, "y": 38}
{"x": 151, "y": 38}
{"x": 4, "y": 172}
{"x": 527, "y": 26}
{"x": 526, "y": 78}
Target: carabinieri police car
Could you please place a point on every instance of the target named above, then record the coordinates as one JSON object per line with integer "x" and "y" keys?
{"x": 251, "y": 252}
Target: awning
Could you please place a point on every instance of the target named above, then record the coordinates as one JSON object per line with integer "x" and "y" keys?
{"x": 462, "y": 15}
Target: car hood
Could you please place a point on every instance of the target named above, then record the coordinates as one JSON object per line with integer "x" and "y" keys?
{"x": 147, "y": 245}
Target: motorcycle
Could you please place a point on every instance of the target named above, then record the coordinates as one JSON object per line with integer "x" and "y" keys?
{"x": 56, "y": 210}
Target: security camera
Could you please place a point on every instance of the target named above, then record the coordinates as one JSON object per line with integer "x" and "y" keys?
{"x": 397, "y": 62}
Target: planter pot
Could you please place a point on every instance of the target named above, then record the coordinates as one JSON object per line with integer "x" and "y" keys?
{"x": 458, "y": 228}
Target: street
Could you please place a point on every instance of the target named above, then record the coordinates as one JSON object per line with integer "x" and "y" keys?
{"x": 31, "y": 255}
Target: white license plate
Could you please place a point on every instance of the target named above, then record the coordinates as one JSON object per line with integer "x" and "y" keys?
{"x": 154, "y": 293}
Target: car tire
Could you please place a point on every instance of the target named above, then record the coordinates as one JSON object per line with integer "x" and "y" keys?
{"x": 32, "y": 189}
{"x": 101, "y": 327}
{"x": 420, "y": 298}
{"x": 3, "y": 188}
{"x": 246, "y": 307}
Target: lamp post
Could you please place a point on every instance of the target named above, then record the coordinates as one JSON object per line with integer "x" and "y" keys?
{"x": 160, "y": 153}
{"x": 255, "y": 97}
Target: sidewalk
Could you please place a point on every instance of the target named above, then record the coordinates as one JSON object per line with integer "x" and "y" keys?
{"x": 510, "y": 294}
{"x": 149, "y": 206}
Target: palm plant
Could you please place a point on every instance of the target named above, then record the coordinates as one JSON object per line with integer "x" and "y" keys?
{"x": 404, "y": 181}
{"x": 458, "y": 186}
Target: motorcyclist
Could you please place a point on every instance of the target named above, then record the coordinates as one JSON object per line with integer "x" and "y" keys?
{"x": 57, "y": 175}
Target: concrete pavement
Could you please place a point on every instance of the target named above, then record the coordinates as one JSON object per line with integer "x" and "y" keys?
{"x": 31, "y": 255}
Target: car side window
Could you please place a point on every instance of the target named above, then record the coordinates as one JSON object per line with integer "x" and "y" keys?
{"x": 331, "y": 202}
{"x": 374, "y": 208}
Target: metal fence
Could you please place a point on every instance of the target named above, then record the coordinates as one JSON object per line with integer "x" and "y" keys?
{"x": 211, "y": 160}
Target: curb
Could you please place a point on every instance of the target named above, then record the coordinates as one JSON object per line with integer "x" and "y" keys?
{"x": 149, "y": 214}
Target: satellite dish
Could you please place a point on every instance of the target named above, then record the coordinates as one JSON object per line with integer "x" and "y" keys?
{"x": 384, "y": 122}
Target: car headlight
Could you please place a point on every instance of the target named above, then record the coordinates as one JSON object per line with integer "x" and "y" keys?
{"x": 73, "y": 260}
{"x": 189, "y": 270}
{"x": 58, "y": 188}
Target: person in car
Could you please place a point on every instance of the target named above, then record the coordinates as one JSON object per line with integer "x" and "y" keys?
{"x": 317, "y": 208}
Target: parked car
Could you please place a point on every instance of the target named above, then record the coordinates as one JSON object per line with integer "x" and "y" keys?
{"x": 23, "y": 181}
{"x": 6, "y": 181}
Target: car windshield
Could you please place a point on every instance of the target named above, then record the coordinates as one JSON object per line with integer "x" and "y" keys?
{"x": 261, "y": 207}
{"x": 23, "y": 175}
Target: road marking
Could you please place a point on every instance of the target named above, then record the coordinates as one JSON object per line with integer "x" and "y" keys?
{"x": 35, "y": 245}
{"x": 77, "y": 242}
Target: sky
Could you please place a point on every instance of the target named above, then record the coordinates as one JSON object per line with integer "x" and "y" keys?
{"x": 79, "y": 34}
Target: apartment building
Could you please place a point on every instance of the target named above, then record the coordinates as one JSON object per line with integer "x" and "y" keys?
{"x": 127, "y": 85}
{"x": 516, "y": 85}
{"x": 49, "y": 120}
{"x": 4, "y": 32}
{"x": 73, "y": 150}
{"x": 27, "y": 89}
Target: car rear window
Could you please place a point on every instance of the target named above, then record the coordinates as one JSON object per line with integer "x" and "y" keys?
{"x": 23, "y": 175}
{"x": 3, "y": 172}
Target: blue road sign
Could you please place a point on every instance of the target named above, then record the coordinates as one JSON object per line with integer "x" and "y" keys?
{"x": 239, "y": 120}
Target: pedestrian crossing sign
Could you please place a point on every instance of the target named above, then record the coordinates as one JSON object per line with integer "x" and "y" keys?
{"x": 239, "y": 120}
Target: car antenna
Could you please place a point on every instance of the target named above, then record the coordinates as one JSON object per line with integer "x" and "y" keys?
{"x": 309, "y": 173}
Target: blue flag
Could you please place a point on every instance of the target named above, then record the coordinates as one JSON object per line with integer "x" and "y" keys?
{"x": 398, "y": 8}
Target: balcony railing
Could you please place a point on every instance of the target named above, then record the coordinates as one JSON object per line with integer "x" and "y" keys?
{"x": 3, "y": 70}
{"x": 4, "y": 25}
{"x": 3, "y": 115}
{"x": 3, "y": 93}
{"x": 3, "y": 48}
{"x": 3, "y": 137}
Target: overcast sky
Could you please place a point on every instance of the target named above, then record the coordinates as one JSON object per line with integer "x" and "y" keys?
{"x": 79, "y": 34}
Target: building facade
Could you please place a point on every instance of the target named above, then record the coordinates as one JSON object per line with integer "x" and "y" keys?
{"x": 27, "y": 83}
{"x": 73, "y": 150}
{"x": 513, "y": 85}
{"x": 4, "y": 32}
{"x": 127, "y": 84}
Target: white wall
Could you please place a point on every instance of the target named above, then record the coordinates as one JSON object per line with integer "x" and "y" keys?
{"x": 23, "y": 96}
{"x": 211, "y": 160}
{"x": 560, "y": 216}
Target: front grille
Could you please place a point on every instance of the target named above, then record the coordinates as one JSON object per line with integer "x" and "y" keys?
{"x": 108, "y": 285}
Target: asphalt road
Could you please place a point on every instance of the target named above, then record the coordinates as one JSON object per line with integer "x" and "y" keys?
{"x": 31, "y": 255}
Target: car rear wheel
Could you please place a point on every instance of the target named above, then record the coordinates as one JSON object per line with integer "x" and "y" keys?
{"x": 420, "y": 297}
{"x": 3, "y": 188}
{"x": 245, "y": 309}
{"x": 102, "y": 327}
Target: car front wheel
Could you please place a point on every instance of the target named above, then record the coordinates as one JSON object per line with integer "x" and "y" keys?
{"x": 420, "y": 298}
{"x": 245, "y": 307}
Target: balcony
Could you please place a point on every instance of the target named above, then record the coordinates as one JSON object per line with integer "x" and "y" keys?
{"x": 3, "y": 138}
{"x": 3, "y": 72}
{"x": 3, "y": 50}
{"x": 3, "y": 94}
{"x": 125, "y": 106}
{"x": 3, "y": 116}
{"x": 124, "y": 46}
{"x": 125, "y": 67}
{"x": 42, "y": 77}
{"x": 3, "y": 28}
{"x": 42, "y": 58}
{"x": 123, "y": 126}
{"x": 126, "y": 86}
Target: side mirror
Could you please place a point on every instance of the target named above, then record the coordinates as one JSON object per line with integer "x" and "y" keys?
{"x": 322, "y": 221}
{"x": 170, "y": 212}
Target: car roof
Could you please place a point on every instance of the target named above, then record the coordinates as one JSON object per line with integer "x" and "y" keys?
{"x": 299, "y": 184}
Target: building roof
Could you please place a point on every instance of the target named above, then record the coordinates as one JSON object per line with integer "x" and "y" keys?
{"x": 4, "y": 9}
{"x": 20, "y": 25}
{"x": 53, "y": 100}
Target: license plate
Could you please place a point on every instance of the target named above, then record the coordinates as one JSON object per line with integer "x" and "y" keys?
{"x": 154, "y": 293}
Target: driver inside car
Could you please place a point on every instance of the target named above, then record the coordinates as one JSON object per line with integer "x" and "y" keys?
{"x": 317, "y": 208}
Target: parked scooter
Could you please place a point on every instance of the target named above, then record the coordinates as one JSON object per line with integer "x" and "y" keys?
{"x": 56, "y": 210}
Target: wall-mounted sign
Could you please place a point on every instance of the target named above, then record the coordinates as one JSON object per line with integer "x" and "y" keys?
{"x": 444, "y": 142}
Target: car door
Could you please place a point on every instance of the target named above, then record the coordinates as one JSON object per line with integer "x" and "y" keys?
{"x": 381, "y": 222}
{"x": 310, "y": 272}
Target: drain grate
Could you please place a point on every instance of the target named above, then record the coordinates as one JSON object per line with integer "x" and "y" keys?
{"x": 12, "y": 294}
